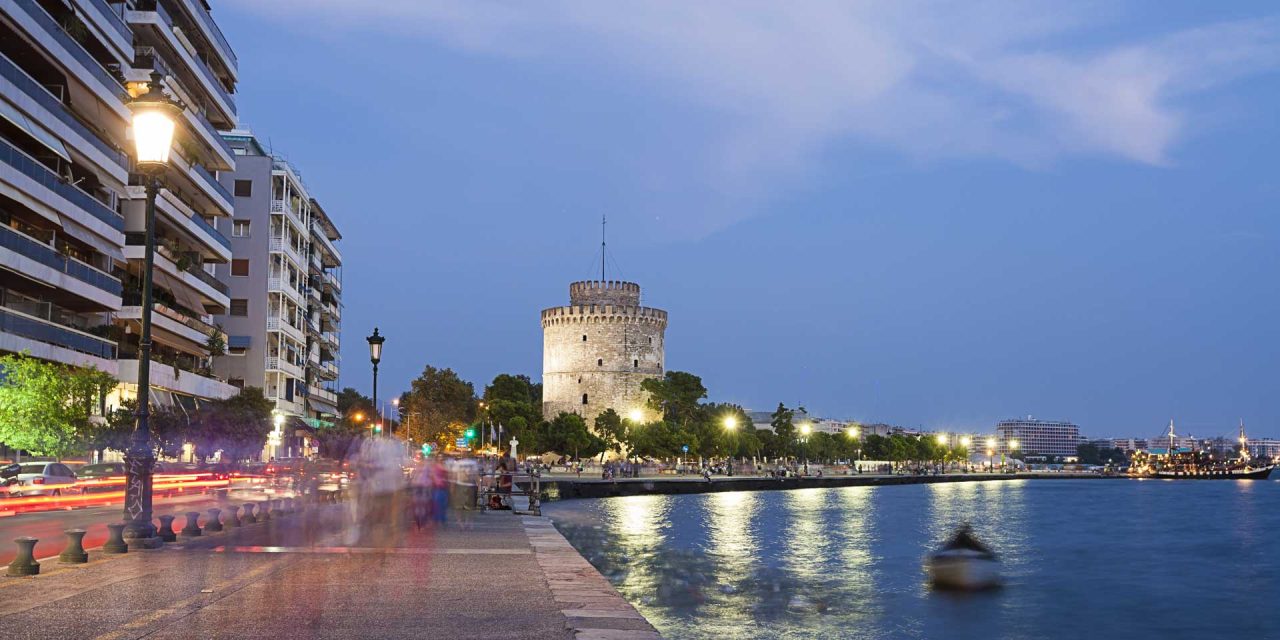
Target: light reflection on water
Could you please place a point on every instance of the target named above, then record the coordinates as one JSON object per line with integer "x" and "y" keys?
{"x": 1082, "y": 558}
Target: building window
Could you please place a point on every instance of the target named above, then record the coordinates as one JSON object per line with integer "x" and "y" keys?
{"x": 244, "y": 188}
{"x": 240, "y": 228}
{"x": 236, "y": 351}
{"x": 239, "y": 306}
{"x": 635, "y": 364}
{"x": 584, "y": 398}
{"x": 240, "y": 267}
{"x": 600, "y": 362}
{"x": 236, "y": 382}
{"x": 650, "y": 340}
{"x": 584, "y": 337}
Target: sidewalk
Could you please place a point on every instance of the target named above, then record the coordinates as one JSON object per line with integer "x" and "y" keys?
{"x": 296, "y": 577}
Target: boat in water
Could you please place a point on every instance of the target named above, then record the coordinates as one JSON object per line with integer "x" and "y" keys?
{"x": 1186, "y": 464}
{"x": 964, "y": 563}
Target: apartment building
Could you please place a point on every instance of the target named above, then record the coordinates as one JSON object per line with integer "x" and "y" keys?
{"x": 1043, "y": 437}
{"x": 285, "y": 285}
{"x": 71, "y": 208}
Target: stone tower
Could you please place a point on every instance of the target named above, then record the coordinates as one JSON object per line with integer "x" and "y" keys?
{"x": 597, "y": 350}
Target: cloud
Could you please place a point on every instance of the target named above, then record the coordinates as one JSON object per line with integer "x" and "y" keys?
{"x": 1024, "y": 81}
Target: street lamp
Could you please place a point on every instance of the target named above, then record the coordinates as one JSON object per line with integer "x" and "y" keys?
{"x": 730, "y": 425}
{"x": 375, "y": 356}
{"x": 805, "y": 430}
{"x": 636, "y": 416}
{"x": 991, "y": 452}
{"x": 155, "y": 117}
{"x": 1013, "y": 446}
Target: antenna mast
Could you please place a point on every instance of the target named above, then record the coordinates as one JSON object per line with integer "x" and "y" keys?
{"x": 603, "y": 222}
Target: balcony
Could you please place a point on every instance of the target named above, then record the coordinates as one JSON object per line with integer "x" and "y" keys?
{"x": 207, "y": 286}
{"x": 173, "y": 209}
{"x": 281, "y": 285}
{"x": 168, "y": 377}
{"x": 318, "y": 234}
{"x": 276, "y": 323}
{"x": 280, "y": 245}
{"x": 328, "y": 370}
{"x": 41, "y": 96}
{"x": 50, "y": 333}
{"x": 46, "y": 255}
{"x": 276, "y": 363}
{"x": 214, "y": 188}
{"x": 109, "y": 85}
{"x": 212, "y": 33}
{"x": 158, "y": 17}
{"x": 201, "y": 125}
{"x": 193, "y": 332}
{"x": 280, "y": 206}
{"x": 27, "y": 166}
{"x": 111, "y": 25}
{"x": 332, "y": 280}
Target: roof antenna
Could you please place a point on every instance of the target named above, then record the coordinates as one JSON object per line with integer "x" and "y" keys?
{"x": 603, "y": 222}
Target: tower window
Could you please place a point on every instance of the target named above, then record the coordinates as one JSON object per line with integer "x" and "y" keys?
{"x": 650, "y": 340}
{"x": 635, "y": 364}
{"x": 584, "y": 398}
{"x": 584, "y": 337}
{"x": 600, "y": 362}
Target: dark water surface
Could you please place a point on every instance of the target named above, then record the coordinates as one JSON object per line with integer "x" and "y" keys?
{"x": 1083, "y": 559}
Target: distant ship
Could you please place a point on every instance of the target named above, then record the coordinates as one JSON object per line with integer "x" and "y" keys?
{"x": 1185, "y": 464}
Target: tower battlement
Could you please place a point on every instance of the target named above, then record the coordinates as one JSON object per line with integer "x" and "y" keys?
{"x": 603, "y": 313}
{"x": 602, "y": 292}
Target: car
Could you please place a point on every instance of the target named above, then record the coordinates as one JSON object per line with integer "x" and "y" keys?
{"x": 44, "y": 479}
{"x": 105, "y": 476}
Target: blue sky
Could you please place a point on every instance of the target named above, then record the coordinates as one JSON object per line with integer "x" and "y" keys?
{"x": 935, "y": 214}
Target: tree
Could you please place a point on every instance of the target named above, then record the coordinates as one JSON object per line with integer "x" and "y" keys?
{"x": 783, "y": 428}
{"x": 610, "y": 430}
{"x": 568, "y": 433}
{"x": 437, "y": 407}
{"x": 676, "y": 395}
{"x": 45, "y": 407}
{"x": 514, "y": 403}
{"x": 237, "y": 426}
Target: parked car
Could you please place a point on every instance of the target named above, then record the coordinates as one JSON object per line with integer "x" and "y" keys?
{"x": 44, "y": 479}
{"x": 96, "y": 474}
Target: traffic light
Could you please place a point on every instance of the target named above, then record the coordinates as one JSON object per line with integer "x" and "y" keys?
{"x": 426, "y": 449}
{"x": 377, "y": 428}
{"x": 471, "y": 434}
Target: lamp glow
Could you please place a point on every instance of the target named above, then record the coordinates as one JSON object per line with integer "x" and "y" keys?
{"x": 805, "y": 429}
{"x": 966, "y": 441}
{"x": 991, "y": 443}
{"x": 731, "y": 422}
{"x": 942, "y": 439}
{"x": 154, "y": 121}
{"x": 636, "y": 416}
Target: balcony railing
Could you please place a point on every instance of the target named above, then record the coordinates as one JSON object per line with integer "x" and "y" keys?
{"x": 28, "y": 166}
{"x": 214, "y": 134}
{"x": 213, "y": 182}
{"x": 114, "y": 20}
{"x": 37, "y": 92}
{"x": 208, "y": 228}
{"x": 195, "y": 270}
{"x": 51, "y": 26}
{"x": 200, "y": 65}
{"x": 211, "y": 27}
{"x": 48, "y": 256}
{"x": 33, "y": 328}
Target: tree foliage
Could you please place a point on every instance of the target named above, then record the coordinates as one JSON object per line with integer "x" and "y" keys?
{"x": 437, "y": 407}
{"x": 45, "y": 408}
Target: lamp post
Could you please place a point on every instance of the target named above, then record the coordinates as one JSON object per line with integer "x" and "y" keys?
{"x": 805, "y": 429}
{"x": 375, "y": 356}
{"x": 154, "y": 120}
{"x": 1013, "y": 446}
{"x": 730, "y": 426}
{"x": 991, "y": 451}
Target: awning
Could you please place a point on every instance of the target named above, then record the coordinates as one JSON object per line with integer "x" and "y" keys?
{"x": 161, "y": 398}
{"x": 78, "y": 231}
{"x": 183, "y": 293}
{"x": 299, "y": 427}
{"x": 186, "y": 402}
{"x": 41, "y": 134}
{"x": 321, "y": 406}
{"x": 238, "y": 342}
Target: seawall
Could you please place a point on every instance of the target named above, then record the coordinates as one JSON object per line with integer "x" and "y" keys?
{"x": 555, "y": 488}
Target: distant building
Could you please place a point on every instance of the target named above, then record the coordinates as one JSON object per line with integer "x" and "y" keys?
{"x": 1043, "y": 437}
{"x": 1129, "y": 444}
{"x": 1263, "y": 447}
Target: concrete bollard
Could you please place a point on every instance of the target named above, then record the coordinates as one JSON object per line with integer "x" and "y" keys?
{"x": 74, "y": 553}
{"x": 115, "y": 539}
{"x": 166, "y": 529}
{"x": 276, "y": 510}
{"x": 233, "y": 516}
{"x": 248, "y": 514}
{"x": 264, "y": 511}
{"x": 291, "y": 505}
{"x": 214, "y": 521}
{"x": 192, "y": 530}
{"x": 25, "y": 563}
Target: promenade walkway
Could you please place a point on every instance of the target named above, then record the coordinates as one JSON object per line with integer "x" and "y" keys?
{"x": 308, "y": 576}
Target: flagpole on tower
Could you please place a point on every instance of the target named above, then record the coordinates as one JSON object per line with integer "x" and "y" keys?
{"x": 603, "y": 221}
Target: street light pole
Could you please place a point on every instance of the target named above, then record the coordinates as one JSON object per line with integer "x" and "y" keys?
{"x": 154, "y": 120}
{"x": 375, "y": 356}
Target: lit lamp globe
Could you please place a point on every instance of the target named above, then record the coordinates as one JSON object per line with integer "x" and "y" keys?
{"x": 965, "y": 442}
{"x": 636, "y": 416}
{"x": 155, "y": 119}
{"x": 853, "y": 432}
{"x": 805, "y": 429}
{"x": 991, "y": 443}
{"x": 942, "y": 439}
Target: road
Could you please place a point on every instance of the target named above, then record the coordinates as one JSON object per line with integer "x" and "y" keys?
{"x": 48, "y": 526}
